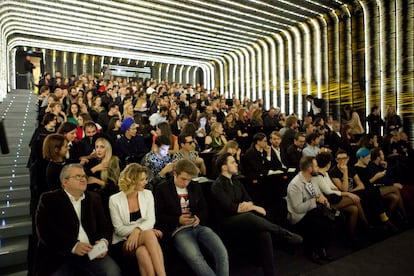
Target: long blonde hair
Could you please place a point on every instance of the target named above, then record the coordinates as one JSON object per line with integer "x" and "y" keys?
{"x": 113, "y": 171}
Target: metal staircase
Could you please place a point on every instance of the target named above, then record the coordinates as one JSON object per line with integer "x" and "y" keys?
{"x": 18, "y": 111}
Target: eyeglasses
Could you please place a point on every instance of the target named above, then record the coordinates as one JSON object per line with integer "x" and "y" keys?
{"x": 189, "y": 142}
{"x": 78, "y": 176}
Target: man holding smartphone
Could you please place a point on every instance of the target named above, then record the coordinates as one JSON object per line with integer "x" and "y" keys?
{"x": 181, "y": 211}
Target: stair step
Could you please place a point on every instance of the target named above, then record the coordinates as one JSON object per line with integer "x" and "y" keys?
{"x": 7, "y": 170}
{"x": 16, "y": 226}
{"x": 14, "y": 208}
{"x": 16, "y": 181}
{"x": 13, "y": 251}
{"x": 15, "y": 193}
{"x": 11, "y": 159}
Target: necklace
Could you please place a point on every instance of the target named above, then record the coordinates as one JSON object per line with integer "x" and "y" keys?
{"x": 217, "y": 140}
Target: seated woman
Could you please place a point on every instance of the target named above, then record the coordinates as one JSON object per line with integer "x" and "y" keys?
{"x": 347, "y": 180}
{"x": 345, "y": 201}
{"x": 216, "y": 139}
{"x": 69, "y": 131}
{"x": 374, "y": 178}
{"x": 231, "y": 128}
{"x": 133, "y": 217}
{"x": 55, "y": 148}
{"x": 103, "y": 170}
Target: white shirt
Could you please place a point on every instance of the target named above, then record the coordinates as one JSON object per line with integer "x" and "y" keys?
{"x": 77, "y": 205}
{"x": 277, "y": 151}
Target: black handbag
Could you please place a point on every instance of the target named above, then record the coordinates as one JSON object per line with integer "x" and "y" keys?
{"x": 326, "y": 212}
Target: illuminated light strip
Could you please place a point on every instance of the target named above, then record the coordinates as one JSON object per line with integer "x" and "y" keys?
{"x": 195, "y": 74}
{"x": 167, "y": 71}
{"x": 242, "y": 74}
{"x": 247, "y": 73}
{"x": 265, "y": 68}
{"x": 325, "y": 70}
{"x": 298, "y": 59}
{"x": 212, "y": 75}
{"x": 381, "y": 54}
{"x": 273, "y": 74}
{"x": 139, "y": 23}
{"x": 187, "y": 75}
{"x": 259, "y": 72}
{"x": 284, "y": 10}
{"x": 99, "y": 51}
{"x": 220, "y": 62}
{"x": 231, "y": 73}
{"x": 174, "y": 72}
{"x": 348, "y": 47}
{"x": 46, "y": 32}
{"x": 307, "y": 59}
{"x": 159, "y": 72}
{"x": 236, "y": 74}
{"x": 214, "y": 16}
{"x": 180, "y": 74}
{"x": 252, "y": 95}
{"x": 319, "y": 4}
{"x": 281, "y": 65}
{"x": 51, "y": 19}
{"x": 367, "y": 56}
{"x": 336, "y": 63}
{"x": 224, "y": 13}
{"x": 253, "y": 9}
{"x": 290, "y": 60}
{"x": 192, "y": 20}
{"x": 244, "y": 14}
{"x": 318, "y": 66}
{"x": 398, "y": 54}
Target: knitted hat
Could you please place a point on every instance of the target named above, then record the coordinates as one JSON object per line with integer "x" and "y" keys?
{"x": 362, "y": 152}
{"x": 128, "y": 123}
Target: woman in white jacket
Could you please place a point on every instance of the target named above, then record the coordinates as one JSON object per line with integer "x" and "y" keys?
{"x": 133, "y": 217}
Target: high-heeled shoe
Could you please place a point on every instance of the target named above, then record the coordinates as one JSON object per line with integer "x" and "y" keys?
{"x": 314, "y": 257}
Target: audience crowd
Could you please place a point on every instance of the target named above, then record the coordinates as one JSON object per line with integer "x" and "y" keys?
{"x": 177, "y": 168}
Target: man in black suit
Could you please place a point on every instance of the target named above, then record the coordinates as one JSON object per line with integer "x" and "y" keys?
{"x": 181, "y": 216}
{"x": 177, "y": 126}
{"x": 69, "y": 222}
{"x": 334, "y": 139}
{"x": 257, "y": 158}
{"x": 276, "y": 155}
{"x": 317, "y": 108}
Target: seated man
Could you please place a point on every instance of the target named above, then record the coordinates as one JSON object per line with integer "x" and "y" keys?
{"x": 130, "y": 147}
{"x": 276, "y": 159}
{"x": 69, "y": 222}
{"x": 294, "y": 152}
{"x": 181, "y": 212}
{"x": 186, "y": 151}
{"x": 303, "y": 200}
{"x": 158, "y": 161}
{"x": 257, "y": 158}
{"x": 236, "y": 212}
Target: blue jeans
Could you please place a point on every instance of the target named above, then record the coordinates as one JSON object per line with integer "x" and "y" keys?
{"x": 188, "y": 241}
{"x": 75, "y": 265}
{"x": 30, "y": 80}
